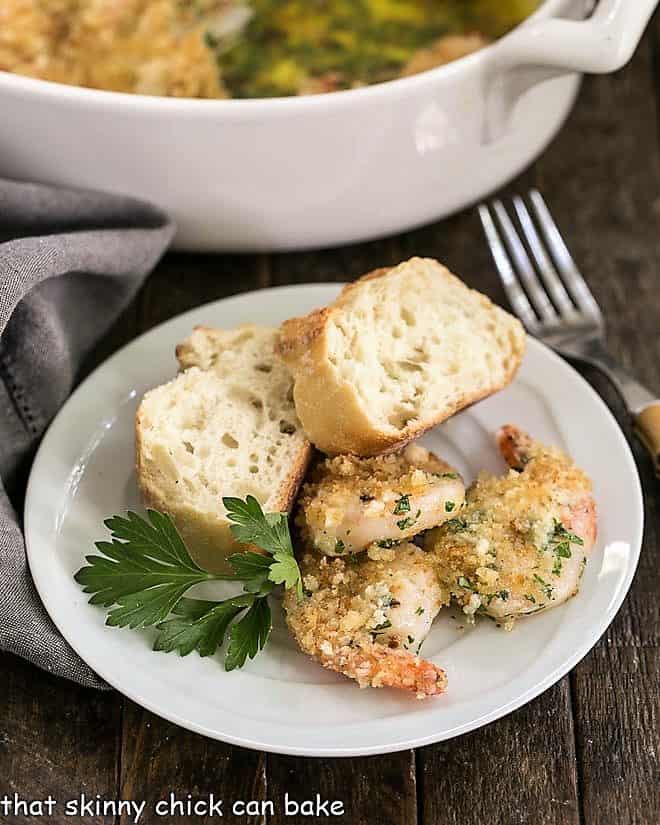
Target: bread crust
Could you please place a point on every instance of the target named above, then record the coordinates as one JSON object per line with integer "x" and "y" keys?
{"x": 331, "y": 412}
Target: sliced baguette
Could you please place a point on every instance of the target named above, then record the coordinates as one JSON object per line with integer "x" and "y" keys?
{"x": 398, "y": 352}
{"x": 225, "y": 426}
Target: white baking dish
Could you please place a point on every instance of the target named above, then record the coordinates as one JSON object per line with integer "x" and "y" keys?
{"x": 326, "y": 169}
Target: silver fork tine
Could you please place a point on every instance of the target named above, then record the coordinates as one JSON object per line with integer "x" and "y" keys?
{"x": 510, "y": 282}
{"x": 575, "y": 283}
{"x": 526, "y": 271}
{"x": 544, "y": 265}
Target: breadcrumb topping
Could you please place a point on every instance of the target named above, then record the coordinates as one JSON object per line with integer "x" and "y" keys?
{"x": 351, "y": 503}
{"x": 511, "y": 550}
{"x": 367, "y": 619}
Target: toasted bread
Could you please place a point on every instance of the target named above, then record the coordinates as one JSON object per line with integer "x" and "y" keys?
{"x": 398, "y": 352}
{"x": 225, "y": 426}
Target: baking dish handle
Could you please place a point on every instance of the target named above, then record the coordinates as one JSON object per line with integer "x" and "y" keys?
{"x": 545, "y": 49}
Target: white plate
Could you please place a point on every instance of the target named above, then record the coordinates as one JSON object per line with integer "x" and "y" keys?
{"x": 281, "y": 701}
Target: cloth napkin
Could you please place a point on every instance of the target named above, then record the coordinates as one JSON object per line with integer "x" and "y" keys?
{"x": 70, "y": 261}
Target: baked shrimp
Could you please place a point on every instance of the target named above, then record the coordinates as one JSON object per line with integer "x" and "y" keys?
{"x": 350, "y": 503}
{"x": 520, "y": 545}
{"x": 366, "y": 617}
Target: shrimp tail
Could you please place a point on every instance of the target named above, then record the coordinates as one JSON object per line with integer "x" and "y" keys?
{"x": 515, "y": 445}
{"x": 581, "y": 518}
{"x": 518, "y": 448}
{"x": 379, "y": 666}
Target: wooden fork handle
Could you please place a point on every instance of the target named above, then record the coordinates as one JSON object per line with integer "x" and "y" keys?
{"x": 647, "y": 427}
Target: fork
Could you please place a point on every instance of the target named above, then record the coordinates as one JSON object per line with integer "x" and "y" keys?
{"x": 552, "y": 299}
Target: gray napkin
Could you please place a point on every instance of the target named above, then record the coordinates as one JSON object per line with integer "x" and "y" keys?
{"x": 70, "y": 261}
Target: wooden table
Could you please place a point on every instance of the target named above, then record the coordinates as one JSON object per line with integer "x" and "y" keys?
{"x": 586, "y": 751}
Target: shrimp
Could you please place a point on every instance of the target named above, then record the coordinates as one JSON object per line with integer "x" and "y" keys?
{"x": 366, "y": 618}
{"x": 352, "y": 503}
{"x": 520, "y": 545}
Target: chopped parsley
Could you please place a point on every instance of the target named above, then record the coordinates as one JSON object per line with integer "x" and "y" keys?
{"x": 547, "y": 588}
{"x": 405, "y": 523}
{"x": 502, "y": 594}
{"x": 419, "y": 611}
{"x": 387, "y": 543}
{"x": 466, "y": 583}
{"x": 381, "y": 627}
{"x": 340, "y": 547}
{"x": 530, "y": 598}
{"x": 456, "y": 524}
{"x": 402, "y": 505}
{"x": 449, "y": 506}
{"x": 559, "y": 543}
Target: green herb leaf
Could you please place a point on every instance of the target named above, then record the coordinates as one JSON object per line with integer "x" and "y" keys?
{"x": 200, "y": 625}
{"x": 143, "y": 573}
{"x": 251, "y": 526}
{"x": 144, "y": 570}
{"x": 248, "y": 635}
{"x": 270, "y": 532}
{"x": 254, "y": 570}
{"x": 449, "y": 506}
{"x": 285, "y": 570}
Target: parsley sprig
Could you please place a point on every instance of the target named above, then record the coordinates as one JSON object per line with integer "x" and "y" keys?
{"x": 145, "y": 570}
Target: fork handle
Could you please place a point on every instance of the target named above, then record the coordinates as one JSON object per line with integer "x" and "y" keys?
{"x": 644, "y": 409}
{"x": 647, "y": 427}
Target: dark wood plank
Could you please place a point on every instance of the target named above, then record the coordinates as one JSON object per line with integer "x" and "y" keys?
{"x": 183, "y": 281}
{"x": 56, "y": 738}
{"x": 341, "y": 264}
{"x": 379, "y": 789}
{"x": 159, "y": 759}
{"x": 521, "y": 769}
{"x": 617, "y": 697}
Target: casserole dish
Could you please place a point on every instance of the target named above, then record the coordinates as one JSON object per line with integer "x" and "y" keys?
{"x": 320, "y": 170}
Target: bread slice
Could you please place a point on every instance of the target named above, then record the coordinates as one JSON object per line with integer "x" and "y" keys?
{"x": 225, "y": 426}
{"x": 398, "y": 352}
